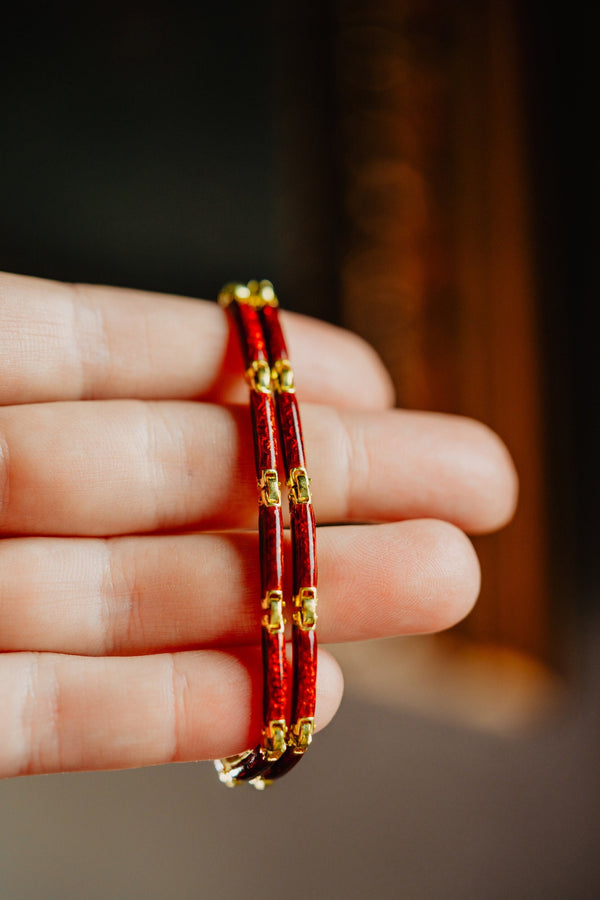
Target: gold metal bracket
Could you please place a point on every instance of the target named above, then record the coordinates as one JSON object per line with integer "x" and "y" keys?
{"x": 274, "y": 736}
{"x": 305, "y": 608}
{"x": 283, "y": 377}
{"x": 227, "y": 778}
{"x": 301, "y": 734}
{"x": 260, "y": 783}
{"x": 273, "y": 621}
{"x": 270, "y": 488}
{"x": 298, "y": 483}
{"x": 258, "y": 376}
{"x": 255, "y": 293}
{"x": 229, "y": 766}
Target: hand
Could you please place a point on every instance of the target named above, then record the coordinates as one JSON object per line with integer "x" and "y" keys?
{"x": 128, "y": 617}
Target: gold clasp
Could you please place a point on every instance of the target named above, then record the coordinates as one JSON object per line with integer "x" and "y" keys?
{"x": 298, "y": 484}
{"x": 305, "y": 608}
{"x": 273, "y": 621}
{"x": 274, "y": 739}
{"x": 283, "y": 377}
{"x": 269, "y": 487}
{"x": 255, "y": 293}
{"x": 258, "y": 376}
{"x": 231, "y": 291}
{"x": 265, "y": 292}
{"x": 301, "y": 734}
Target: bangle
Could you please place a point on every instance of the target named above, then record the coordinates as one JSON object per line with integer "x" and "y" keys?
{"x": 254, "y": 309}
{"x": 303, "y": 533}
{"x": 241, "y": 303}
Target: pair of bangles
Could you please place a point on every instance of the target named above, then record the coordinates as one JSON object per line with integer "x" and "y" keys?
{"x": 253, "y": 310}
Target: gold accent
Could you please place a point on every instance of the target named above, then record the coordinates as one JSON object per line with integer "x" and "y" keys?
{"x": 260, "y": 783}
{"x": 300, "y": 735}
{"x": 227, "y": 778}
{"x": 283, "y": 377}
{"x": 305, "y": 608}
{"x": 231, "y": 291}
{"x": 228, "y": 767}
{"x": 274, "y": 736}
{"x": 298, "y": 483}
{"x": 258, "y": 376}
{"x": 266, "y": 292}
{"x": 255, "y": 293}
{"x": 269, "y": 487}
{"x": 273, "y": 621}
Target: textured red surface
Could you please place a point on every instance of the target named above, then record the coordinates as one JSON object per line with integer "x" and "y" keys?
{"x": 270, "y": 534}
{"x": 273, "y": 334}
{"x": 274, "y": 677}
{"x": 292, "y": 444}
{"x": 251, "y": 334}
{"x": 264, "y": 427}
{"x": 305, "y": 674}
{"x": 270, "y": 525}
{"x": 303, "y": 528}
{"x": 266, "y": 414}
{"x": 302, "y": 520}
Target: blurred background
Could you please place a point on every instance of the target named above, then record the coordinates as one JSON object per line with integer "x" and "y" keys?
{"x": 421, "y": 173}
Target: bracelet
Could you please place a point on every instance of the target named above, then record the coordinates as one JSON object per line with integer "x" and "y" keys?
{"x": 254, "y": 308}
{"x": 303, "y": 532}
{"x": 241, "y": 303}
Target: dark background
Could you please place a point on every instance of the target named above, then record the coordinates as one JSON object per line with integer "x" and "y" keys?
{"x": 142, "y": 146}
{"x": 558, "y": 55}
{"x": 138, "y": 144}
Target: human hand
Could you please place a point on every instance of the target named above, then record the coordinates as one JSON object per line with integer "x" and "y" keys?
{"x": 128, "y": 624}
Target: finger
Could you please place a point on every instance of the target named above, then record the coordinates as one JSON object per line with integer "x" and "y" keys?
{"x": 115, "y": 467}
{"x": 71, "y": 342}
{"x": 146, "y": 594}
{"x": 66, "y": 713}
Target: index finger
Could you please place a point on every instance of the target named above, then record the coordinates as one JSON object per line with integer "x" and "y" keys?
{"x": 73, "y": 342}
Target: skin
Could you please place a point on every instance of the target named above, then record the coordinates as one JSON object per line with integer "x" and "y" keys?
{"x": 128, "y": 565}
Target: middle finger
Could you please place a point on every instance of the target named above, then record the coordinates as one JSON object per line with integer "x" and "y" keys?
{"x": 123, "y": 466}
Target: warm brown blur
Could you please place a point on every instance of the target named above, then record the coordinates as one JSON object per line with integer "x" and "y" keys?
{"x": 429, "y": 157}
{"x": 438, "y": 273}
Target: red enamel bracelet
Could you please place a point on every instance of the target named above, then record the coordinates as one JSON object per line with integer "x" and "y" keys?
{"x": 303, "y": 533}
{"x": 242, "y": 303}
{"x": 254, "y": 309}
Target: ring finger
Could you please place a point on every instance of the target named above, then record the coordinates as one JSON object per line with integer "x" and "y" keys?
{"x": 136, "y": 595}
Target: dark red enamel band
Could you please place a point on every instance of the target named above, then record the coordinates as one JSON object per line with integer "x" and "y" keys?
{"x": 304, "y": 557}
{"x": 253, "y": 309}
{"x": 241, "y": 303}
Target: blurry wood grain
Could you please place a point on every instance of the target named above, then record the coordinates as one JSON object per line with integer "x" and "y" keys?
{"x": 406, "y": 198}
{"x": 437, "y": 270}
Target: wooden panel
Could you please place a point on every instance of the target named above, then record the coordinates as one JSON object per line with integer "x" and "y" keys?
{"x": 437, "y": 272}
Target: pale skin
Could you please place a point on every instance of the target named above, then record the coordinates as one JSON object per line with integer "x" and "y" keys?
{"x": 128, "y": 567}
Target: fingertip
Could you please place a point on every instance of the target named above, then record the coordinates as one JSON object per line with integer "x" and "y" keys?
{"x": 494, "y": 471}
{"x": 330, "y": 688}
{"x": 423, "y": 576}
{"x": 451, "y": 570}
